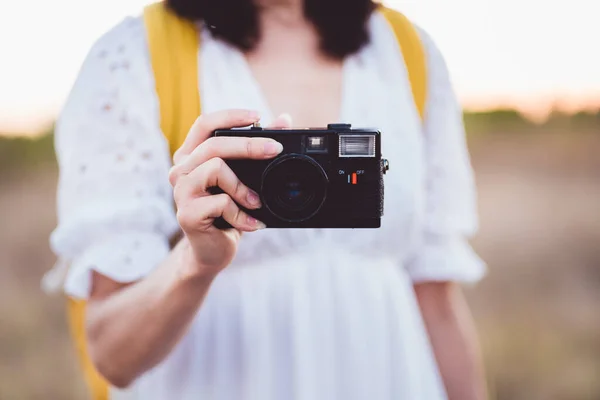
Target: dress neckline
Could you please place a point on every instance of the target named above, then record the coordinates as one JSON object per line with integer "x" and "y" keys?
{"x": 254, "y": 89}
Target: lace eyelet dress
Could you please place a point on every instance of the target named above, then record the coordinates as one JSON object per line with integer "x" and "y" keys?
{"x": 300, "y": 314}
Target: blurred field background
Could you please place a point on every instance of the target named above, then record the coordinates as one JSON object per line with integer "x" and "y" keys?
{"x": 537, "y": 310}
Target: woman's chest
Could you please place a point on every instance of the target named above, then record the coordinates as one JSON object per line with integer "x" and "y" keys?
{"x": 310, "y": 92}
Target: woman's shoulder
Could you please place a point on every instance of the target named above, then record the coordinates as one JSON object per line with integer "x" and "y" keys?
{"x": 118, "y": 60}
{"x": 126, "y": 40}
{"x": 115, "y": 84}
{"x": 388, "y": 56}
{"x": 383, "y": 37}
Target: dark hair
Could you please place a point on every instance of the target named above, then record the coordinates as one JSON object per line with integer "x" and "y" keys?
{"x": 340, "y": 23}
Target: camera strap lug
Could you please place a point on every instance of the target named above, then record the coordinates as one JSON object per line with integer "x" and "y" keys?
{"x": 385, "y": 165}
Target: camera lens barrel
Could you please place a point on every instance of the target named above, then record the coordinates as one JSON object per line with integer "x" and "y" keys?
{"x": 294, "y": 187}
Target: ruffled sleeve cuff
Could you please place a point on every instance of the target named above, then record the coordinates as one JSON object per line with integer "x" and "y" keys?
{"x": 446, "y": 260}
{"x": 124, "y": 257}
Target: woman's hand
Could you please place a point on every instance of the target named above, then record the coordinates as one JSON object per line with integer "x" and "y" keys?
{"x": 199, "y": 165}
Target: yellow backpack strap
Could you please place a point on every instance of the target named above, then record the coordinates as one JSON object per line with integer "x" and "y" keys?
{"x": 173, "y": 43}
{"x": 414, "y": 55}
{"x": 98, "y": 388}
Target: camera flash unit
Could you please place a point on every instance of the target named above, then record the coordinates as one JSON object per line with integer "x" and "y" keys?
{"x": 357, "y": 146}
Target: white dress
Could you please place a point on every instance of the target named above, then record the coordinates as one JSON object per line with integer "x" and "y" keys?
{"x": 300, "y": 314}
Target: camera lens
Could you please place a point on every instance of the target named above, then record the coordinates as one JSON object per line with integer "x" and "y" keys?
{"x": 295, "y": 193}
{"x": 294, "y": 188}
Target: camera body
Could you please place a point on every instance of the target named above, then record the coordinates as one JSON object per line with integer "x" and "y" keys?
{"x": 324, "y": 178}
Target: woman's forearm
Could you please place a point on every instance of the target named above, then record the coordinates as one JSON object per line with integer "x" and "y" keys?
{"x": 131, "y": 329}
{"x": 454, "y": 339}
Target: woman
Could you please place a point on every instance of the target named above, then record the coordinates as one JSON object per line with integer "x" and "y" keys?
{"x": 275, "y": 314}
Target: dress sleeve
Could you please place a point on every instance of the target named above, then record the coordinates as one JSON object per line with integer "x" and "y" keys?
{"x": 450, "y": 214}
{"x": 115, "y": 209}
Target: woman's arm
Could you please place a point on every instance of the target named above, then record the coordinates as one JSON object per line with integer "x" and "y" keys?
{"x": 131, "y": 328}
{"x": 452, "y": 333}
{"x": 444, "y": 257}
{"x": 115, "y": 206}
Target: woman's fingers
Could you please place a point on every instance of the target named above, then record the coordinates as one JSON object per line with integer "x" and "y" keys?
{"x": 284, "y": 121}
{"x": 204, "y": 126}
{"x": 215, "y": 173}
{"x": 200, "y": 213}
{"x": 199, "y": 166}
{"x": 226, "y": 148}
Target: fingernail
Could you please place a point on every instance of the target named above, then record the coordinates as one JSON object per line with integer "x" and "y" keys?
{"x": 287, "y": 117}
{"x": 253, "y": 115}
{"x": 253, "y": 198}
{"x": 273, "y": 148}
{"x": 256, "y": 223}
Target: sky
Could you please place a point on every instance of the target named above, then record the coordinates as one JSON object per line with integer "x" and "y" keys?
{"x": 523, "y": 53}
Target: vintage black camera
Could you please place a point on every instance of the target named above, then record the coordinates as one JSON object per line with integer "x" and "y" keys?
{"x": 324, "y": 178}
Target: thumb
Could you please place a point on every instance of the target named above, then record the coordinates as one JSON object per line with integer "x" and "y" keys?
{"x": 282, "y": 122}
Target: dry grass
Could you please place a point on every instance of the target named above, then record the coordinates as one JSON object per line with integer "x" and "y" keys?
{"x": 536, "y": 311}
